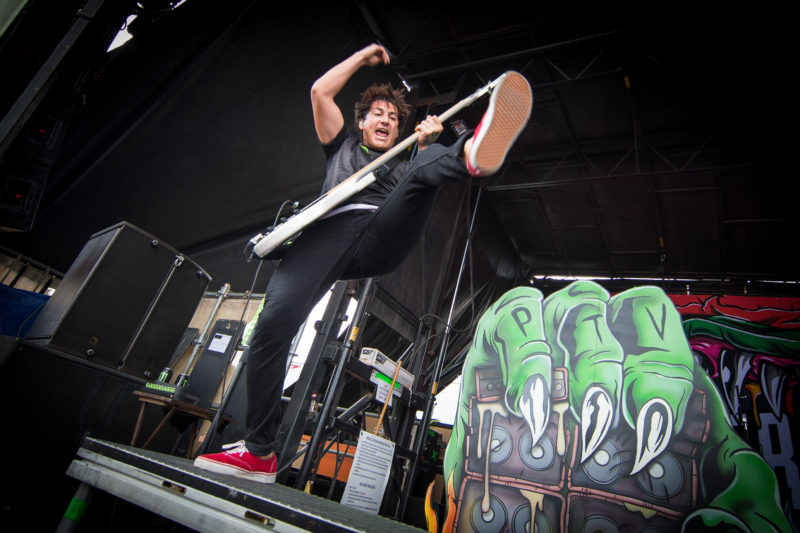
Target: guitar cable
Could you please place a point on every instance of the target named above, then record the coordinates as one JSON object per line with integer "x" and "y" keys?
{"x": 248, "y": 247}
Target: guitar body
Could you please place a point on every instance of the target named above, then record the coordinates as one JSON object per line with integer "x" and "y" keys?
{"x": 273, "y": 244}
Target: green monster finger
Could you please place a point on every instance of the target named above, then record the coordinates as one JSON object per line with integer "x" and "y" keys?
{"x": 509, "y": 336}
{"x": 558, "y": 305}
{"x": 657, "y": 358}
{"x": 575, "y": 322}
{"x": 516, "y": 335}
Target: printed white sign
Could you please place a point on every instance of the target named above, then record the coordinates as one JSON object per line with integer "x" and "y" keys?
{"x": 369, "y": 474}
{"x": 382, "y": 384}
{"x": 382, "y": 392}
{"x": 219, "y": 343}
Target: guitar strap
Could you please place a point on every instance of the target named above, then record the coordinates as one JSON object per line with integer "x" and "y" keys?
{"x": 384, "y": 170}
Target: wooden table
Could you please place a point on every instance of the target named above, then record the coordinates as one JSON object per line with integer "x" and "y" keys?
{"x": 173, "y": 406}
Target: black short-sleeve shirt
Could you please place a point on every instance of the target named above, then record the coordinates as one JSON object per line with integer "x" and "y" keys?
{"x": 346, "y": 156}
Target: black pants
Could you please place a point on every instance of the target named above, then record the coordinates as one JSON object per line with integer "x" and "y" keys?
{"x": 351, "y": 245}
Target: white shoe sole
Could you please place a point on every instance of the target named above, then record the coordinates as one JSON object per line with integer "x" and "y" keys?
{"x": 229, "y": 470}
{"x": 508, "y": 112}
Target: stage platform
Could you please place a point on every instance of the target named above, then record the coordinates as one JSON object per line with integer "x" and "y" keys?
{"x": 171, "y": 487}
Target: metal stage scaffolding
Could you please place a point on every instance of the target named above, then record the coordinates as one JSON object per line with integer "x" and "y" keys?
{"x": 171, "y": 487}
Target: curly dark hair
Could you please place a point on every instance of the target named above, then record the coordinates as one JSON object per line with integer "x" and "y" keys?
{"x": 386, "y": 93}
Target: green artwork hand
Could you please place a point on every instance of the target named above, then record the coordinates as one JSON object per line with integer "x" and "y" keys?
{"x": 623, "y": 362}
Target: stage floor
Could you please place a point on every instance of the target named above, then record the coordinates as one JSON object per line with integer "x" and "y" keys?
{"x": 171, "y": 487}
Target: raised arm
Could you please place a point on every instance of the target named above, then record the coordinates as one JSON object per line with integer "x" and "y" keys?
{"x": 328, "y": 118}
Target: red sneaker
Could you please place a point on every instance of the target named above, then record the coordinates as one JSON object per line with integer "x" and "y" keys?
{"x": 237, "y": 461}
{"x": 505, "y": 118}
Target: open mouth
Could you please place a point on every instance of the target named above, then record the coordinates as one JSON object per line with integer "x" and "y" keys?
{"x": 382, "y": 133}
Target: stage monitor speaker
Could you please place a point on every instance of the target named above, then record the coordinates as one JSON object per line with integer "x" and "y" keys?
{"x": 125, "y": 302}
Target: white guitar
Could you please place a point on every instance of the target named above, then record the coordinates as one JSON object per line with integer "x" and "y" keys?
{"x": 268, "y": 245}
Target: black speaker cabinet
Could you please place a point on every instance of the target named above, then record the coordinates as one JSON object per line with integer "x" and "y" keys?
{"x": 125, "y": 302}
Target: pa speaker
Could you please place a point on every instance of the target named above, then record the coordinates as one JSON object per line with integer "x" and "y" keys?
{"x": 125, "y": 302}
